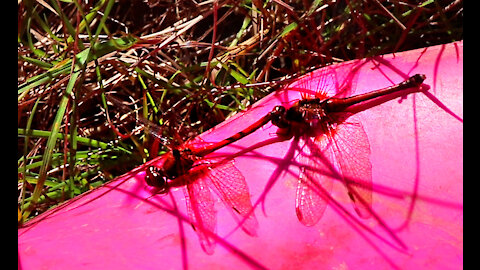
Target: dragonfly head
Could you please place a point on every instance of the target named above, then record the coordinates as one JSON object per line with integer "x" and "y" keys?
{"x": 156, "y": 178}
{"x": 277, "y": 116}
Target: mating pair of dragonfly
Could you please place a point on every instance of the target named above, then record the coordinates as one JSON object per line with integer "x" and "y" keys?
{"x": 320, "y": 122}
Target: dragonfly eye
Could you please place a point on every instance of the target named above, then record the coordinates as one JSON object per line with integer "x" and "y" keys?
{"x": 278, "y": 117}
{"x": 155, "y": 178}
{"x": 279, "y": 110}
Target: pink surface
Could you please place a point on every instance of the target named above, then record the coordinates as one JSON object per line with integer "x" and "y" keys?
{"x": 417, "y": 166}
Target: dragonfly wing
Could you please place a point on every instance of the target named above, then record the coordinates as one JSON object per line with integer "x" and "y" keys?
{"x": 231, "y": 187}
{"x": 201, "y": 210}
{"x": 314, "y": 181}
{"x": 352, "y": 151}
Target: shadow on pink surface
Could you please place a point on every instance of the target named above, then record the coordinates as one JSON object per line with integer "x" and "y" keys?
{"x": 416, "y": 212}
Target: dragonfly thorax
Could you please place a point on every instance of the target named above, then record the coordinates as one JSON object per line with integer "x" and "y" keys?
{"x": 177, "y": 163}
{"x": 302, "y": 118}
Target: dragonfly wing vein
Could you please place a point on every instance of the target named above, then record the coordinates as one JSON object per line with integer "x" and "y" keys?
{"x": 352, "y": 151}
{"x": 314, "y": 182}
{"x": 201, "y": 210}
{"x": 232, "y": 188}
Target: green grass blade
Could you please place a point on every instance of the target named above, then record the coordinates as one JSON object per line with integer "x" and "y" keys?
{"x": 52, "y": 139}
{"x": 99, "y": 50}
{"x": 81, "y": 140}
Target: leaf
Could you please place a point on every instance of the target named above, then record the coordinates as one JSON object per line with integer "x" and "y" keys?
{"x": 289, "y": 28}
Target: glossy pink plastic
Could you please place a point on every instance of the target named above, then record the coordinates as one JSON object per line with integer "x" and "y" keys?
{"x": 416, "y": 153}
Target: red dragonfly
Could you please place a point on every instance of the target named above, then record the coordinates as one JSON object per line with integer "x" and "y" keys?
{"x": 198, "y": 175}
{"x": 335, "y": 142}
{"x": 328, "y": 140}
{"x": 186, "y": 166}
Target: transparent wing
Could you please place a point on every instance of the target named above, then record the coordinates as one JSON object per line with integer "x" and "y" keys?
{"x": 352, "y": 151}
{"x": 231, "y": 187}
{"x": 314, "y": 181}
{"x": 201, "y": 210}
